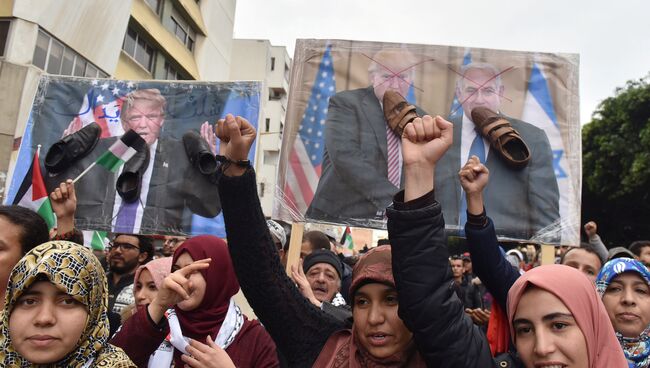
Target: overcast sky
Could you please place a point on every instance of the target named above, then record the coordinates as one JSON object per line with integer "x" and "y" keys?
{"x": 612, "y": 37}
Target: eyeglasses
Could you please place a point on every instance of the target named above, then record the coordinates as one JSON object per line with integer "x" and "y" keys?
{"x": 124, "y": 246}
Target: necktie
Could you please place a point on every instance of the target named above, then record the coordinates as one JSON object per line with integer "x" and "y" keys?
{"x": 394, "y": 171}
{"x": 126, "y": 217}
{"x": 476, "y": 149}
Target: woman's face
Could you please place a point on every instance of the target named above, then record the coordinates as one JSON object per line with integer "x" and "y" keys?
{"x": 376, "y": 323}
{"x": 197, "y": 280}
{"x": 627, "y": 300}
{"x": 46, "y": 324}
{"x": 145, "y": 289}
{"x": 546, "y": 333}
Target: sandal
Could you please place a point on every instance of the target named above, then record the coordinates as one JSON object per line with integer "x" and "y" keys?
{"x": 502, "y": 137}
{"x": 398, "y": 112}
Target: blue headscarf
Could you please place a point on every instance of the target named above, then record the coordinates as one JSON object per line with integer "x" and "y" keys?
{"x": 636, "y": 349}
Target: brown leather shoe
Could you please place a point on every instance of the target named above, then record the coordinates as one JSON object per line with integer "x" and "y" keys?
{"x": 503, "y": 138}
{"x": 398, "y": 112}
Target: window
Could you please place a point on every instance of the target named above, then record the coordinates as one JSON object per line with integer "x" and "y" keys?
{"x": 275, "y": 94}
{"x": 286, "y": 72}
{"x": 154, "y": 5}
{"x": 4, "y": 32}
{"x": 56, "y": 58}
{"x": 272, "y": 64}
{"x": 139, "y": 49}
{"x": 183, "y": 31}
{"x": 267, "y": 124}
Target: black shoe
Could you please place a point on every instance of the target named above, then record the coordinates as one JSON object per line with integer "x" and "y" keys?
{"x": 199, "y": 153}
{"x": 129, "y": 183}
{"x": 71, "y": 148}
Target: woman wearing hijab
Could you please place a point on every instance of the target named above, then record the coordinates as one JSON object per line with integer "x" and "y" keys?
{"x": 148, "y": 279}
{"x": 55, "y": 311}
{"x": 556, "y": 318}
{"x": 624, "y": 285}
{"x": 307, "y": 336}
{"x": 196, "y": 301}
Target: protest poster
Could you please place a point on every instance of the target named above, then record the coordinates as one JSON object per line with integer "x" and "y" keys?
{"x": 340, "y": 165}
{"x": 172, "y": 196}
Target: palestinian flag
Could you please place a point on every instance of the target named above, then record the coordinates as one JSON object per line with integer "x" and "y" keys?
{"x": 346, "y": 239}
{"x": 33, "y": 195}
{"x": 121, "y": 151}
{"x": 95, "y": 240}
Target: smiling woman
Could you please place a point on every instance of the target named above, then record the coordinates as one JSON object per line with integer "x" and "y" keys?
{"x": 556, "y": 319}
{"x": 55, "y": 311}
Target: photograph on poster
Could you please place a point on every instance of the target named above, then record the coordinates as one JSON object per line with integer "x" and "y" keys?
{"x": 168, "y": 185}
{"x": 518, "y": 112}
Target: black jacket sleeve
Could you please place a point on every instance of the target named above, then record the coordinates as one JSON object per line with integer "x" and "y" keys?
{"x": 428, "y": 305}
{"x": 298, "y": 328}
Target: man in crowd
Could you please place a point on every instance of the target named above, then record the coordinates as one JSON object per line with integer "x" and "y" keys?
{"x": 359, "y": 145}
{"x": 467, "y": 292}
{"x": 521, "y": 202}
{"x": 170, "y": 243}
{"x": 127, "y": 252}
{"x": 22, "y": 230}
{"x": 313, "y": 240}
{"x": 641, "y": 250}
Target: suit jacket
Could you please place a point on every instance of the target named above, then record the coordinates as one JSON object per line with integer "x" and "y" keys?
{"x": 175, "y": 185}
{"x": 520, "y": 202}
{"x": 354, "y": 185}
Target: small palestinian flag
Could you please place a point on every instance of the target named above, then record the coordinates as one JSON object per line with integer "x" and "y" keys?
{"x": 33, "y": 195}
{"x": 121, "y": 151}
{"x": 95, "y": 240}
{"x": 346, "y": 239}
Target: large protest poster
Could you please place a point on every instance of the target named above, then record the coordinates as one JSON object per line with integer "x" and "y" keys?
{"x": 339, "y": 163}
{"x": 173, "y": 195}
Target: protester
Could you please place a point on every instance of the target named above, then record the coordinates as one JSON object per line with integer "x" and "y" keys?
{"x": 55, "y": 311}
{"x": 467, "y": 292}
{"x": 170, "y": 243}
{"x": 619, "y": 252}
{"x": 196, "y": 300}
{"x": 22, "y": 230}
{"x": 307, "y": 336}
{"x": 318, "y": 277}
{"x": 149, "y": 278}
{"x": 624, "y": 285}
{"x": 444, "y": 334}
{"x": 591, "y": 229}
{"x": 313, "y": 240}
{"x": 126, "y": 253}
{"x": 586, "y": 259}
{"x": 279, "y": 238}
{"x": 641, "y": 250}
{"x": 557, "y": 320}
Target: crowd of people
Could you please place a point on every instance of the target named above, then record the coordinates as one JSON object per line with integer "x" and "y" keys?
{"x": 408, "y": 303}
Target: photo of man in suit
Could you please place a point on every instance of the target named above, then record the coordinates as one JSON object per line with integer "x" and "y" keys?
{"x": 171, "y": 188}
{"x": 355, "y": 184}
{"x": 520, "y": 202}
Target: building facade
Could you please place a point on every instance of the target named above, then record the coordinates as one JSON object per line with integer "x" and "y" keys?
{"x": 259, "y": 60}
{"x": 125, "y": 39}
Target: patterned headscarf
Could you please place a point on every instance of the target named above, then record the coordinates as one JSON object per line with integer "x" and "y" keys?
{"x": 636, "y": 349}
{"x": 75, "y": 270}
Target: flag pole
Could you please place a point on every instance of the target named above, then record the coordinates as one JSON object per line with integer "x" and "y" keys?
{"x": 84, "y": 172}
{"x": 38, "y": 150}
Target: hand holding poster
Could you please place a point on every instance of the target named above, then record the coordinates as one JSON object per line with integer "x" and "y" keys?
{"x": 342, "y": 161}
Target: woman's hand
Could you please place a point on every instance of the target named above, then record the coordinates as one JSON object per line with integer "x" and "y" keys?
{"x": 208, "y": 355}
{"x": 175, "y": 288}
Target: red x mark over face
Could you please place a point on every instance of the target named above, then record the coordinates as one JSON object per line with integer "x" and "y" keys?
{"x": 480, "y": 88}
{"x": 394, "y": 73}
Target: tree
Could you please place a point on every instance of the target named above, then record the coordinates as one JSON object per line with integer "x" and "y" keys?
{"x": 616, "y": 165}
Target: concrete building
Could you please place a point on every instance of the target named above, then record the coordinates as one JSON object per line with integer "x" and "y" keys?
{"x": 259, "y": 60}
{"x": 126, "y": 39}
